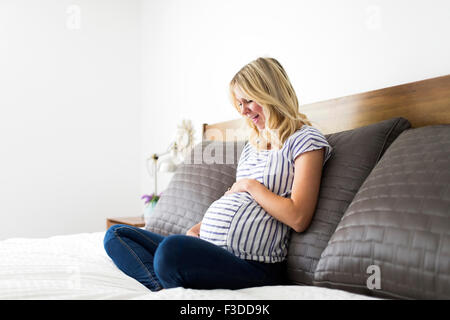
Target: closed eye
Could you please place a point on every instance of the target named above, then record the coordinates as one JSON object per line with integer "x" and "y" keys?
{"x": 249, "y": 101}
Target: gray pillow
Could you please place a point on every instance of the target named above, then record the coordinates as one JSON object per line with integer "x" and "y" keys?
{"x": 203, "y": 178}
{"x": 355, "y": 153}
{"x": 397, "y": 227}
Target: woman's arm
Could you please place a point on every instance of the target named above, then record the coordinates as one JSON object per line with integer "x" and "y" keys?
{"x": 296, "y": 211}
{"x": 195, "y": 230}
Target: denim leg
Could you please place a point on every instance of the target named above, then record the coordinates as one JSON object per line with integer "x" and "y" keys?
{"x": 190, "y": 262}
{"x": 132, "y": 250}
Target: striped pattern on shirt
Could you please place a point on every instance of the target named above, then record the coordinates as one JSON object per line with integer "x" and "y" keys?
{"x": 238, "y": 223}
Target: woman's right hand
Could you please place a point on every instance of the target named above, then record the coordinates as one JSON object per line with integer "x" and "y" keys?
{"x": 194, "y": 231}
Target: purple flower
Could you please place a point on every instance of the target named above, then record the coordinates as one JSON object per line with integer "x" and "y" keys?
{"x": 146, "y": 198}
{"x": 150, "y": 198}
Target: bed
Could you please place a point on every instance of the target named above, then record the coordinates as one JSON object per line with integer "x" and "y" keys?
{"x": 76, "y": 266}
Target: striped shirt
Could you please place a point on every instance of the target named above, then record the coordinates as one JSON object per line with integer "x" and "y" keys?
{"x": 237, "y": 223}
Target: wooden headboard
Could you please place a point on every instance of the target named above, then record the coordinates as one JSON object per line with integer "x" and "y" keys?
{"x": 423, "y": 103}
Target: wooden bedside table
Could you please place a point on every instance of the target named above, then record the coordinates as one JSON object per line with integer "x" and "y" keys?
{"x": 131, "y": 221}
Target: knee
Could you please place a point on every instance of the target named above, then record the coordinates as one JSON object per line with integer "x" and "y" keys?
{"x": 168, "y": 253}
{"x": 110, "y": 237}
{"x": 168, "y": 261}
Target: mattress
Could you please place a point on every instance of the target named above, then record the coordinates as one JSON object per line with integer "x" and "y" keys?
{"x": 77, "y": 267}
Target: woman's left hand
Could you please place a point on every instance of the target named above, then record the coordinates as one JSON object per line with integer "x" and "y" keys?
{"x": 241, "y": 185}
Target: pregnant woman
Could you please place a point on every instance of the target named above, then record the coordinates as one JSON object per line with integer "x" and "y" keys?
{"x": 243, "y": 238}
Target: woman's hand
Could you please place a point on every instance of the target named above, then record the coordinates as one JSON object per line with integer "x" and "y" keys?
{"x": 241, "y": 185}
{"x": 194, "y": 231}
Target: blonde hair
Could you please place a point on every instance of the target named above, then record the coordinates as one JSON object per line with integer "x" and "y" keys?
{"x": 265, "y": 81}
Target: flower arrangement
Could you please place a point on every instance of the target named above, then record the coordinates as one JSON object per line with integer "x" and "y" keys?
{"x": 151, "y": 199}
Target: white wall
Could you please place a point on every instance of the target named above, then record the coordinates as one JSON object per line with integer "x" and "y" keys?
{"x": 83, "y": 102}
{"x": 329, "y": 49}
{"x": 70, "y": 99}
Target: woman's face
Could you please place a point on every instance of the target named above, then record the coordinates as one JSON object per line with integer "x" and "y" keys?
{"x": 250, "y": 109}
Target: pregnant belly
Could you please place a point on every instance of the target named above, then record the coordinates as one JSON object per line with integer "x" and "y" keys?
{"x": 219, "y": 216}
{"x": 241, "y": 226}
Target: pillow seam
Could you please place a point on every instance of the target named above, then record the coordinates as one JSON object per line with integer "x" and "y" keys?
{"x": 380, "y": 154}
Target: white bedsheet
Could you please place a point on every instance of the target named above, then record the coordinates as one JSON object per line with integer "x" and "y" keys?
{"x": 77, "y": 267}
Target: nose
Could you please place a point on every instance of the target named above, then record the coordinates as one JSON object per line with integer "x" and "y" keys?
{"x": 244, "y": 109}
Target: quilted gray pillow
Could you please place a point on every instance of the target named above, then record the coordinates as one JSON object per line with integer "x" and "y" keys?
{"x": 355, "y": 153}
{"x": 394, "y": 239}
{"x": 203, "y": 178}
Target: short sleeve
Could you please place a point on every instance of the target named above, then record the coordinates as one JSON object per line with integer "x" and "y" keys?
{"x": 243, "y": 157}
{"x": 308, "y": 139}
{"x": 244, "y": 154}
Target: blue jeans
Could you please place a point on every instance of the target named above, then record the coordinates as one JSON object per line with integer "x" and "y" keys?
{"x": 183, "y": 261}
